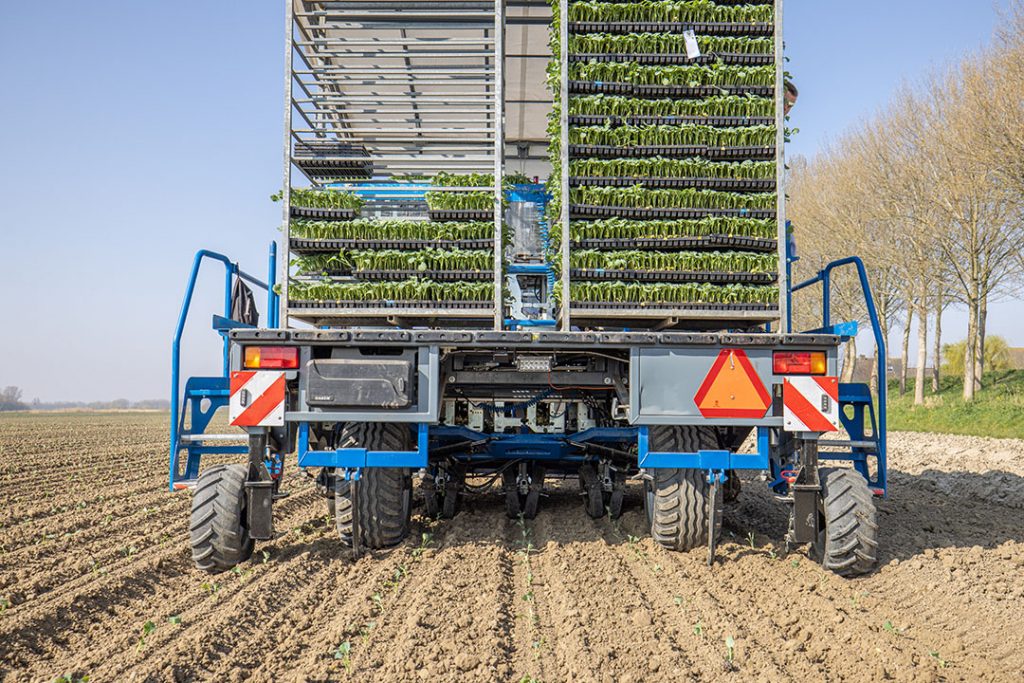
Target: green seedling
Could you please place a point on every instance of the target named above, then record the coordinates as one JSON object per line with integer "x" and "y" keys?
{"x": 129, "y": 550}
{"x": 888, "y": 626}
{"x": 147, "y": 629}
{"x": 698, "y": 629}
{"x": 730, "y": 648}
{"x": 174, "y": 620}
{"x": 210, "y": 587}
{"x": 938, "y": 660}
{"x": 266, "y": 556}
{"x": 343, "y": 653}
{"x": 72, "y": 678}
{"x": 750, "y": 539}
{"x": 378, "y": 602}
{"x": 678, "y": 600}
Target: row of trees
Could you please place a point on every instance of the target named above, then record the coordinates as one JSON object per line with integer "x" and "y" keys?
{"x": 930, "y": 192}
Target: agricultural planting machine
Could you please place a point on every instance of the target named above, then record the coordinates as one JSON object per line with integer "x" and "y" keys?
{"x": 484, "y": 278}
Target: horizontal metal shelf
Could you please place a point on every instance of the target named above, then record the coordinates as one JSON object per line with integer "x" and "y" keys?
{"x": 412, "y": 307}
{"x": 672, "y": 276}
{"x": 663, "y": 91}
{"x": 766, "y": 153}
{"x": 681, "y": 243}
{"x": 577, "y": 211}
{"x": 700, "y": 28}
{"x": 308, "y": 246}
{"x": 725, "y": 184}
{"x": 657, "y": 59}
{"x": 649, "y": 120}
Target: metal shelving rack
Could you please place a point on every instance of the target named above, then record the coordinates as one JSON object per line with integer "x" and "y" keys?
{"x": 666, "y": 317}
{"x": 390, "y": 89}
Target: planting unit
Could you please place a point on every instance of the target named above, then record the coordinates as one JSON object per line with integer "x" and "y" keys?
{"x": 418, "y": 334}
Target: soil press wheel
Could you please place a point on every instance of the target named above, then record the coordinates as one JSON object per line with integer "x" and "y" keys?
{"x": 218, "y": 527}
{"x": 383, "y": 494}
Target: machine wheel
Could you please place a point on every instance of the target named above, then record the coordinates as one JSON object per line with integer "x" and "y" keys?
{"x": 614, "y": 503}
{"x": 593, "y": 492}
{"x": 384, "y": 494}
{"x": 531, "y": 503}
{"x": 847, "y": 540}
{"x": 443, "y": 503}
{"x": 218, "y": 526}
{"x": 677, "y": 499}
{"x": 517, "y": 504}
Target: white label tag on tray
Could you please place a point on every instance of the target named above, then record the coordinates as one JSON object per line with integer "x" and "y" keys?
{"x": 692, "y": 48}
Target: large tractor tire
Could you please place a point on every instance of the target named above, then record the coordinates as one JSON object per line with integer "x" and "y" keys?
{"x": 218, "y": 527}
{"x": 847, "y": 541}
{"x": 677, "y": 499}
{"x": 383, "y": 494}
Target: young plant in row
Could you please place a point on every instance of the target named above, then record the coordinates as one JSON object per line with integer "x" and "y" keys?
{"x": 326, "y": 198}
{"x": 685, "y": 135}
{"x": 659, "y": 167}
{"x": 666, "y": 43}
{"x": 721, "y": 75}
{"x": 669, "y": 11}
{"x": 664, "y": 293}
{"x": 413, "y": 289}
{"x": 723, "y": 105}
{"x": 639, "y": 197}
{"x": 392, "y": 259}
{"x": 621, "y": 228}
{"x": 677, "y": 261}
{"x": 389, "y": 229}
{"x": 460, "y": 201}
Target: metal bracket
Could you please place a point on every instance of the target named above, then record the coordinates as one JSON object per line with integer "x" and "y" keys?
{"x": 716, "y": 479}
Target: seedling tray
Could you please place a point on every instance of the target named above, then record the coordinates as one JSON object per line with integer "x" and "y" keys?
{"x": 672, "y": 276}
{"x": 700, "y": 28}
{"x": 591, "y": 211}
{"x": 647, "y": 120}
{"x": 324, "y": 214}
{"x": 662, "y": 91}
{"x": 384, "y": 303}
{"x": 658, "y": 59}
{"x": 766, "y": 153}
{"x": 673, "y": 306}
{"x": 677, "y": 243}
{"x": 461, "y": 214}
{"x": 439, "y": 275}
{"x": 307, "y": 246}
{"x": 725, "y": 184}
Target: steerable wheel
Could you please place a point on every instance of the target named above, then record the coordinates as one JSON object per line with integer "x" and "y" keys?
{"x": 218, "y": 527}
{"x": 522, "y": 486}
{"x": 383, "y": 495}
{"x": 847, "y": 540}
{"x": 677, "y": 500}
{"x": 442, "y": 492}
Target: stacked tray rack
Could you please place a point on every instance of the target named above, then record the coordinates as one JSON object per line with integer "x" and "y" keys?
{"x": 665, "y": 154}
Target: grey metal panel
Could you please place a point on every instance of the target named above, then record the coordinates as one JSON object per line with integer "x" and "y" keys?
{"x": 664, "y": 381}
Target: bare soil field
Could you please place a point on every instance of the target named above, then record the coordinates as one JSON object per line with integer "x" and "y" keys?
{"x": 96, "y": 579}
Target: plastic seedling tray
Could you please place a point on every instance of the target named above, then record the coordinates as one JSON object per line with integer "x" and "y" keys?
{"x": 676, "y": 243}
{"x": 461, "y": 214}
{"x": 648, "y": 120}
{"x": 659, "y": 59}
{"x": 672, "y": 276}
{"x": 700, "y": 28}
{"x": 725, "y": 184}
{"x": 673, "y": 152}
{"x": 593, "y": 211}
{"x": 307, "y": 246}
{"x": 324, "y": 214}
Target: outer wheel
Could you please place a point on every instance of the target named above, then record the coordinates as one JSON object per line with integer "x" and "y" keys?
{"x": 678, "y": 500}
{"x": 847, "y": 540}
{"x": 383, "y": 494}
{"x": 218, "y": 526}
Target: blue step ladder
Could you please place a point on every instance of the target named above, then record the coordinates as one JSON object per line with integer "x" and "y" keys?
{"x": 865, "y": 425}
{"x": 193, "y": 410}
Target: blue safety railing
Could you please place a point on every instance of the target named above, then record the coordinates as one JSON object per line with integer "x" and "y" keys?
{"x": 211, "y": 389}
{"x": 824, "y": 277}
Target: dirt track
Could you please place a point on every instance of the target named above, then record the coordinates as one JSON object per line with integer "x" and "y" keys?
{"x": 92, "y": 547}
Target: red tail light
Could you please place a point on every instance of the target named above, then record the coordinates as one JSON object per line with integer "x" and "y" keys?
{"x": 271, "y": 357}
{"x": 799, "y": 363}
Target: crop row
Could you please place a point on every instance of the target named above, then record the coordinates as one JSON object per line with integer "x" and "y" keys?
{"x": 691, "y": 293}
{"x": 655, "y": 135}
{"x": 665, "y": 43}
{"x": 639, "y": 197}
{"x": 669, "y": 11}
{"x": 658, "y": 167}
{"x": 392, "y": 259}
{"x": 724, "y": 105}
{"x": 681, "y": 261}
{"x": 405, "y": 290}
{"x": 391, "y": 230}
{"x": 621, "y": 228}
{"x": 689, "y": 76}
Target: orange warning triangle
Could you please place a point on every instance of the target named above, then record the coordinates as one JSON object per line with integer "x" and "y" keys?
{"x": 732, "y": 388}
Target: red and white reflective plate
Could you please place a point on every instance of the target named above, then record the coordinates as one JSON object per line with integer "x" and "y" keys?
{"x": 810, "y": 404}
{"x": 257, "y": 398}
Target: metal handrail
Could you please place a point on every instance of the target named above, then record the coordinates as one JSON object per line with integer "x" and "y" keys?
{"x": 231, "y": 270}
{"x": 824, "y": 276}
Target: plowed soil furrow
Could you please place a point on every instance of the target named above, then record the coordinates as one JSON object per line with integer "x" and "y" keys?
{"x": 92, "y": 547}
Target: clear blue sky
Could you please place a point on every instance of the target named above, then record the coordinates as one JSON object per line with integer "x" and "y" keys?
{"x": 138, "y": 132}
